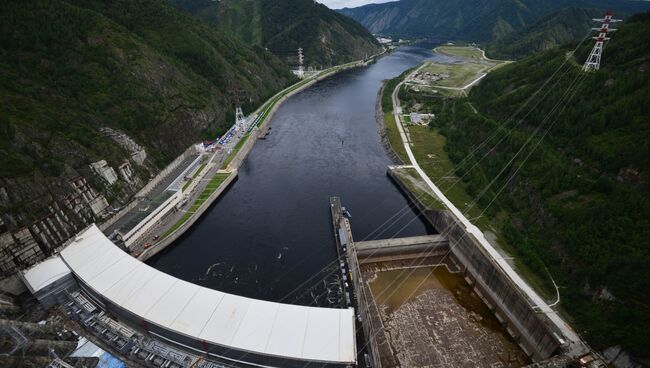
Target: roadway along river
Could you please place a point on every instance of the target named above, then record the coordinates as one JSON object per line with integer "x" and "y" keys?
{"x": 272, "y": 230}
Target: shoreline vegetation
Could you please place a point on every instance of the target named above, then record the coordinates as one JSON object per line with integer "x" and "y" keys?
{"x": 574, "y": 214}
{"x": 429, "y": 148}
{"x": 266, "y": 112}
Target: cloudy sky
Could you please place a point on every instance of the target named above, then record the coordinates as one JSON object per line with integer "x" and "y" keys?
{"x": 337, "y": 4}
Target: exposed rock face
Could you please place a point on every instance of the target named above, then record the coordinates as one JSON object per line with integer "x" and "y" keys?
{"x": 619, "y": 358}
{"x": 96, "y": 103}
{"x": 102, "y": 169}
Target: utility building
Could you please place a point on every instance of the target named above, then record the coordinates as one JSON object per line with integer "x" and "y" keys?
{"x": 227, "y": 327}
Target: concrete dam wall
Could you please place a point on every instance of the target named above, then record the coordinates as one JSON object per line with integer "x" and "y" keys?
{"x": 533, "y": 331}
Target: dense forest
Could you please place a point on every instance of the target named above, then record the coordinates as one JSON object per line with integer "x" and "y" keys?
{"x": 564, "y": 26}
{"x": 469, "y": 20}
{"x": 507, "y": 29}
{"x": 282, "y": 26}
{"x": 574, "y": 198}
{"x": 69, "y": 68}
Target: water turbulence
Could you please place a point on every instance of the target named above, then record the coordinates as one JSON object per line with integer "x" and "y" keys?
{"x": 434, "y": 310}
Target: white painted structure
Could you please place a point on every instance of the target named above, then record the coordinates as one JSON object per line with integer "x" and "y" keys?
{"x": 44, "y": 274}
{"x": 593, "y": 60}
{"x": 47, "y": 280}
{"x": 150, "y": 221}
{"x": 206, "y": 316}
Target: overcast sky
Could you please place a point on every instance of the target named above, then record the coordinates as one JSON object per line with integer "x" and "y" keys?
{"x": 338, "y": 4}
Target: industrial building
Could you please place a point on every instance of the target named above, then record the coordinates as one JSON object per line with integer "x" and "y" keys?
{"x": 226, "y": 327}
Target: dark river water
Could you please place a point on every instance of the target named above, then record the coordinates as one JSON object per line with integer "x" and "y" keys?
{"x": 270, "y": 236}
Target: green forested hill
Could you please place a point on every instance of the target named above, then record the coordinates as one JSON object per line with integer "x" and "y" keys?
{"x": 580, "y": 206}
{"x": 559, "y": 28}
{"x": 499, "y": 21}
{"x": 69, "y": 68}
{"x": 282, "y": 26}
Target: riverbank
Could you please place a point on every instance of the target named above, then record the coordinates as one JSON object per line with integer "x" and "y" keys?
{"x": 264, "y": 114}
{"x": 427, "y": 146}
{"x": 384, "y": 130}
{"x": 492, "y": 253}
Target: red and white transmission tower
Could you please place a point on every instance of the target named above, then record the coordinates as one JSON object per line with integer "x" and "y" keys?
{"x": 301, "y": 59}
{"x": 593, "y": 61}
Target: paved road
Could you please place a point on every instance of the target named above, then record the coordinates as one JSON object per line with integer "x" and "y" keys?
{"x": 155, "y": 192}
{"x": 537, "y": 302}
{"x": 214, "y": 161}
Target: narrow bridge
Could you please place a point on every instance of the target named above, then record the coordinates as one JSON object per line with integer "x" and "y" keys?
{"x": 401, "y": 248}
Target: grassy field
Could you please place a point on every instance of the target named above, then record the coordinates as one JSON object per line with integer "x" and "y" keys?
{"x": 412, "y": 180}
{"x": 466, "y": 52}
{"x": 441, "y": 91}
{"x": 238, "y": 147}
{"x": 429, "y": 150}
{"x": 394, "y": 138}
{"x": 458, "y": 75}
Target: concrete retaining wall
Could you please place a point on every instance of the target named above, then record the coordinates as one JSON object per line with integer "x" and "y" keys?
{"x": 148, "y": 222}
{"x": 183, "y": 228}
{"x": 147, "y": 188}
{"x": 113, "y": 219}
{"x": 163, "y": 174}
{"x": 534, "y": 333}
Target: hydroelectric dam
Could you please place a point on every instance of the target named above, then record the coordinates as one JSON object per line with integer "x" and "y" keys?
{"x": 267, "y": 276}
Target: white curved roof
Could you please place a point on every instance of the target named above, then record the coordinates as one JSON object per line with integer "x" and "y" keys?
{"x": 45, "y": 273}
{"x": 261, "y": 327}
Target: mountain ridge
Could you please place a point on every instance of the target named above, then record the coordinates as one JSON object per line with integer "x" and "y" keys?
{"x": 143, "y": 69}
{"x": 282, "y": 26}
{"x": 567, "y": 25}
{"x": 490, "y": 21}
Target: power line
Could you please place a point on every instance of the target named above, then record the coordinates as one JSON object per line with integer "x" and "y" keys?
{"x": 593, "y": 60}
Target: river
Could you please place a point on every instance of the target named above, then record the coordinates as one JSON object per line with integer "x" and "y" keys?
{"x": 272, "y": 230}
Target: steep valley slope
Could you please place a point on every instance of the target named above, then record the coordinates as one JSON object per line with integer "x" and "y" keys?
{"x": 511, "y": 28}
{"x": 282, "y": 26}
{"x": 157, "y": 78}
{"x": 574, "y": 202}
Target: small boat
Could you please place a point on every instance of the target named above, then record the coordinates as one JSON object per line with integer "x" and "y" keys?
{"x": 346, "y": 212}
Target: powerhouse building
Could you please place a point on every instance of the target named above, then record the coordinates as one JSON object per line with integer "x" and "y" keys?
{"x": 225, "y": 326}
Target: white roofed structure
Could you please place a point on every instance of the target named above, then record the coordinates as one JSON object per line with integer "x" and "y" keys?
{"x": 203, "y": 318}
{"x": 45, "y": 273}
{"x": 46, "y": 280}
